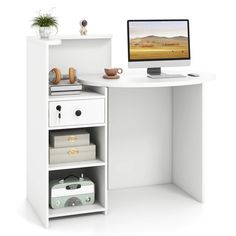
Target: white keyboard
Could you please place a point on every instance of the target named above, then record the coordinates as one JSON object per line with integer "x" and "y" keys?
{"x": 166, "y": 76}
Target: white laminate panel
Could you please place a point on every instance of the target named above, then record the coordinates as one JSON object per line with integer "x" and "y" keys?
{"x": 187, "y": 140}
{"x": 86, "y": 56}
{"x": 37, "y": 128}
{"x": 140, "y": 134}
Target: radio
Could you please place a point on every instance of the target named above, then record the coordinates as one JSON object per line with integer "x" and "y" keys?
{"x": 71, "y": 191}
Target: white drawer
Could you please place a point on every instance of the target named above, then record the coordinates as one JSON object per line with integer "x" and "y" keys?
{"x": 76, "y": 112}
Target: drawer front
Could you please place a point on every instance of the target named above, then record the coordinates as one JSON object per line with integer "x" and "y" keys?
{"x": 76, "y": 112}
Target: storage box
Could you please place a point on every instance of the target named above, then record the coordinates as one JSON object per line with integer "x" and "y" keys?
{"x": 69, "y": 138}
{"x": 72, "y": 154}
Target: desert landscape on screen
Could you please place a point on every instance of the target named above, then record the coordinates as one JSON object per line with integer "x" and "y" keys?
{"x": 155, "y": 47}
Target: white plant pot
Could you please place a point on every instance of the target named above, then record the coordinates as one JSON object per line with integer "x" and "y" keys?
{"x": 45, "y": 32}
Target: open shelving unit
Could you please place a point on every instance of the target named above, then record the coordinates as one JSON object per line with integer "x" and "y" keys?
{"x": 64, "y": 52}
{"x": 94, "y": 169}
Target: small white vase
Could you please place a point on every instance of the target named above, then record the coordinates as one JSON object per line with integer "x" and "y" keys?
{"x": 45, "y": 32}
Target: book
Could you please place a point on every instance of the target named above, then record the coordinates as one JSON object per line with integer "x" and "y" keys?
{"x": 65, "y": 86}
{"x": 58, "y": 93}
{"x": 62, "y": 88}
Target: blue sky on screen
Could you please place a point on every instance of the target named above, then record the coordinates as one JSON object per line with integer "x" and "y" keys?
{"x": 158, "y": 28}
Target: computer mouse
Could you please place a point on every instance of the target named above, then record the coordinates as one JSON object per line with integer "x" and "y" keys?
{"x": 193, "y": 75}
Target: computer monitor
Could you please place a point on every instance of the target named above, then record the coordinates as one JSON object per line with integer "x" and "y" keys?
{"x": 154, "y": 44}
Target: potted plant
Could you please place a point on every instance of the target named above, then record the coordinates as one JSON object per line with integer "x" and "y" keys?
{"x": 45, "y": 22}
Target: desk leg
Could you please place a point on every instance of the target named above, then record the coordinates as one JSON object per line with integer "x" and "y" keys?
{"x": 187, "y": 167}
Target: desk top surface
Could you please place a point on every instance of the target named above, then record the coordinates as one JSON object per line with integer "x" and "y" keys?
{"x": 140, "y": 80}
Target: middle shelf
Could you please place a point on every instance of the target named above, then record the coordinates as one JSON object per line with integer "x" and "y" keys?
{"x": 75, "y": 165}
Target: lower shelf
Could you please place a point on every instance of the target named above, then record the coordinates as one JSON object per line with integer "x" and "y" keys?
{"x": 69, "y": 211}
{"x": 74, "y": 165}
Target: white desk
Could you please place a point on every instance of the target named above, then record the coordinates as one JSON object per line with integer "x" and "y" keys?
{"x": 155, "y": 130}
{"x": 138, "y": 79}
{"x": 151, "y": 131}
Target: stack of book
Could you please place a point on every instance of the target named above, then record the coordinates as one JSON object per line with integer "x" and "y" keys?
{"x": 65, "y": 88}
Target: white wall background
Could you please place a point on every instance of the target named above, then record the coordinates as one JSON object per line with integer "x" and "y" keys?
{"x": 213, "y": 41}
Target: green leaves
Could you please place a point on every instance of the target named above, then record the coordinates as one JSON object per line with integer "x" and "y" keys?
{"x": 45, "y": 20}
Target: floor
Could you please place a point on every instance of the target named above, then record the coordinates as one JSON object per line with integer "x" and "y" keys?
{"x": 154, "y": 210}
{"x": 136, "y": 211}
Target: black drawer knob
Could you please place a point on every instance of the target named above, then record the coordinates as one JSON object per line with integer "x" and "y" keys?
{"x": 58, "y": 107}
{"x": 78, "y": 113}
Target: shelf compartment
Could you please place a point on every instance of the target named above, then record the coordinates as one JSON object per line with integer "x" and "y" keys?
{"x": 75, "y": 165}
{"x": 97, "y": 174}
{"x": 97, "y": 137}
{"x": 78, "y": 210}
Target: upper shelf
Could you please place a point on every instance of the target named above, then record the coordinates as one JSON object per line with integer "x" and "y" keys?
{"x": 140, "y": 80}
{"x": 84, "y": 95}
{"x": 56, "y": 40}
{"x": 78, "y": 36}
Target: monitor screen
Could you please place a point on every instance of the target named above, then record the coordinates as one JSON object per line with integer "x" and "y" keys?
{"x": 158, "y": 40}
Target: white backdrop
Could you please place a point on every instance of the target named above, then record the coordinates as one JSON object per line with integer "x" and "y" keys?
{"x": 213, "y": 36}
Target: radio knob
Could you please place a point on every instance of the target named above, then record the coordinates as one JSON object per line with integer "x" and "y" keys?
{"x": 78, "y": 113}
{"x": 58, "y": 202}
{"x": 88, "y": 199}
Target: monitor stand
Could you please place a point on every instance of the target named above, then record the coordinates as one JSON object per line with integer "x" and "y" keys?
{"x": 155, "y": 73}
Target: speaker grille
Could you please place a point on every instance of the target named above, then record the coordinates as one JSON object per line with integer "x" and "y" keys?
{"x": 74, "y": 201}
